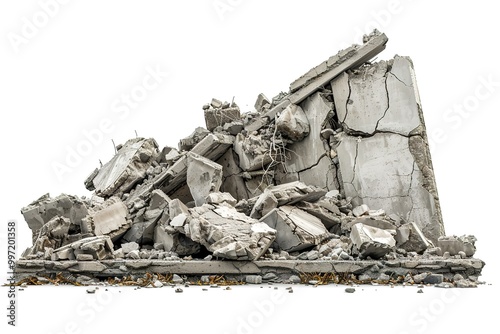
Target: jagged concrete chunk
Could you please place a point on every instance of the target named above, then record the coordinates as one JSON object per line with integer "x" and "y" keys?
{"x": 221, "y": 116}
{"x": 41, "y": 211}
{"x": 293, "y": 123}
{"x": 126, "y": 168}
{"x": 203, "y": 177}
{"x": 194, "y": 138}
{"x": 291, "y": 193}
{"x": 253, "y": 152}
{"x": 227, "y": 233}
{"x": 410, "y": 238}
{"x": 297, "y": 229}
{"x": 371, "y": 241}
{"x": 454, "y": 245}
{"x": 100, "y": 248}
{"x": 329, "y": 214}
{"x": 265, "y": 203}
{"x": 261, "y": 102}
{"x": 111, "y": 220}
{"x": 384, "y": 155}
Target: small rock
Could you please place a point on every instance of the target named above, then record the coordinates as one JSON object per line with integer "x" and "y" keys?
{"x": 157, "y": 284}
{"x": 383, "y": 277}
{"x": 253, "y": 279}
{"x": 290, "y": 291}
{"x": 177, "y": 279}
{"x": 313, "y": 282}
{"x": 462, "y": 254}
{"x": 294, "y": 279}
{"x": 178, "y": 290}
{"x": 228, "y": 288}
{"x": 269, "y": 277}
{"x": 91, "y": 290}
{"x": 445, "y": 285}
{"x": 205, "y": 279}
{"x": 360, "y": 210}
{"x": 214, "y": 286}
{"x": 457, "y": 277}
{"x": 313, "y": 255}
{"x": 350, "y": 290}
{"x": 420, "y": 277}
{"x": 434, "y": 279}
{"x": 420, "y": 291}
{"x": 464, "y": 283}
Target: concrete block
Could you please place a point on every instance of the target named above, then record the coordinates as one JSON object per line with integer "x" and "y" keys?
{"x": 203, "y": 177}
{"x": 371, "y": 241}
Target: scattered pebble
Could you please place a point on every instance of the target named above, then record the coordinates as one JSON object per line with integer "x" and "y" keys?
{"x": 420, "y": 291}
{"x": 91, "y": 290}
{"x": 179, "y": 290}
{"x": 350, "y": 290}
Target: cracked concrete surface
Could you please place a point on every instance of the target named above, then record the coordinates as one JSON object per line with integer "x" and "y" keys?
{"x": 384, "y": 156}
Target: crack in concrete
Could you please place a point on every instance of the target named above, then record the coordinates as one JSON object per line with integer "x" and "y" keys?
{"x": 348, "y": 98}
{"x": 354, "y": 164}
{"x": 388, "y": 104}
{"x": 394, "y": 75}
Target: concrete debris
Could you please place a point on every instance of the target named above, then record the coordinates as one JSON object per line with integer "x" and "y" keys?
{"x": 337, "y": 170}
{"x": 454, "y": 245}
{"x": 297, "y": 229}
{"x": 293, "y": 123}
{"x": 126, "y": 169}
{"x": 372, "y": 241}
{"x": 410, "y": 238}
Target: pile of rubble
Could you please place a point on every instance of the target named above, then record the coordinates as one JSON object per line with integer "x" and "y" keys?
{"x": 337, "y": 169}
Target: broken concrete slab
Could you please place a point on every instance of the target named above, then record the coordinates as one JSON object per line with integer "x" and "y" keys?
{"x": 229, "y": 234}
{"x": 371, "y": 241}
{"x": 186, "y": 144}
{"x": 220, "y": 116}
{"x": 297, "y": 229}
{"x": 126, "y": 169}
{"x": 410, "y": 238}
{"x": 109, "y": 219}
{"x": 203, "y": 177}
{"x": 371, "y": 102}
{"x": 454, "y": 245}
{"x": 41, "y": 211}
{"x": 291, "y": 193}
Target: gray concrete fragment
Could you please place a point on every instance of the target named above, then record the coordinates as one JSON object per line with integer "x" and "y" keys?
{"x": 203, "y": 177}
{"x": 454, "y": 245}
{"x": 109, "y": 219}
{"x": 261, "y": 102}
{"x": 360, "y": 210}
{"x": 253, "y": 279}
{"x": 253, "y": 152}
{"x": 371, "y": 241}
{"x": 228, "y": 233}
{"x": 326, "y": 213}
{"x": 219, "y": 198}
{"x": 291, "y": 193}
{"x": 297, "y": 229}
{"x": 293, "y": 123}
{"x": 219, "y": 117}
{"x": 265, "y": 203}
{"x": 411, "y": 239}
{"x": 126, "y": 168}
{"x": 186, "y": 144}
{"x": 384, "y": 155}
{"x": 41, "y": 211}
{"x": 129, "y": 246}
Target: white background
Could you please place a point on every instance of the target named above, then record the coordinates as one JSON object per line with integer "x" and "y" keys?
{"x": 62, "y": 75}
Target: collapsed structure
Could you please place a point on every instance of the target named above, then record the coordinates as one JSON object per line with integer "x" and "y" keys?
{"x": 333, "y": 176}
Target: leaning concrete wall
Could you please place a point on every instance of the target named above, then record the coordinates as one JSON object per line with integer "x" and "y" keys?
{"x": 383, "y": 151}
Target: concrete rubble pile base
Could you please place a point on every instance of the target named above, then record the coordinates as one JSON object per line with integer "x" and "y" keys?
{"x": 333, "y": 177}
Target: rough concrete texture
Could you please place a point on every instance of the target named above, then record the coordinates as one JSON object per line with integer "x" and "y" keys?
{"x": 126, "y": 169}
{"x": 321, "y": 178}
{"x": 383, "y": 152}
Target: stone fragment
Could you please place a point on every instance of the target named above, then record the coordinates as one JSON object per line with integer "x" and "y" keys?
{"x": 41, "y": 211}
{"x": 433, "y": 279}
{"x": 360, "y": 210}
{"x": 293, "y": 123}
{"x": 253, "y": 151}
{"x": 371, "y": 241}
{"x": 328, "y": 213}
{"x": 84, "y": 257}
{"x": 215, "y": 103}
{"x": 297, "y": 229}
{"x": 228, "y": 233}
{"x": 203, "y": 177}
{"x": 125, "y": 169}
{"x": 129, "y": 246}
{"x": 219, "y": 198}
{"x": 261, "y": 102}
{"x": 350, "y": 290}
{"x": 265, "y": 203}
{"x": 291, "y": 193}
{"x": 186, "y": 144}
{"x": 219, "y": 117}
{"x": 453, "y": 245}
{"x": 410, "y": 238}
{"x": 111, "y": 220}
